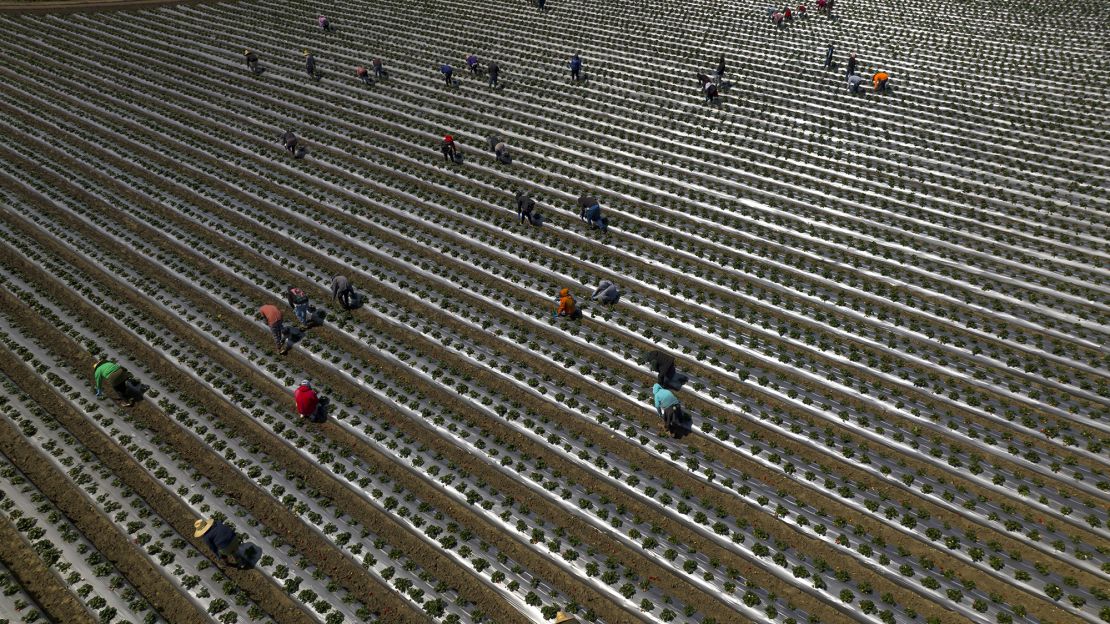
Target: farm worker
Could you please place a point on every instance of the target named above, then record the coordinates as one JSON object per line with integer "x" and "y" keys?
{"x": 492, "y": 69}
{"x": 220, "y": 539}
{"x": 116, "y": 377}
{"x": 323, "y": 22}
{"x": 272, "y": 316}
{"x": 289, "y": 140}
{"x": 447, "y": 71}
{"x": 540, "y": 3}
{"x": 879, "y": 81}
{"x": 589, "y": 210}
{"x": 711, "y": 93}
{"x": 667, "y": 406}
{"x": 566, "y": 305}
{"x": 563, "y": 618}
{"x": 308, "y": 402}
{"x": 310, "y": 64}
{"x": 787, "y": 14}
{"x": 801, "y": 10}
{"x": 379, "y": 72}
{"x": 584, "y": 202}
{"x": 852, "y": 64}
{"x": 450, "y": 152}
{"x": 575, "y": 67}
{"x": 252, "y": 61}
{"x": 472, "y": 63}
{"x": 829, "y": 57}
{"x": 776, "y": 17}
{"x": 342, "y": 290}
{"x": 703, "y": 79}
{"x": 662, "y": 365}
{"x": 853, "y": 83}
{"x": 298, "y": 300}
{"x": 524, "y": 207}
{"x": 500, "y": 149}
{"x": 821, "y": 4}
{"x": 362, "y": 74}
{"x": 606, "y": 292}
{"x": 721, "y": 69}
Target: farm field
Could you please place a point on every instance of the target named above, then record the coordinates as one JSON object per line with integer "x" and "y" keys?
{"x": 889, "y": 312}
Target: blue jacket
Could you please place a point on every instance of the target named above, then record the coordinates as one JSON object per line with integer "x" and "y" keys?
{"x": 219, "y": 536}
{"x": 663, "y": 398}
{"x": 447, "y": 69}
{"x": 576, "y": 63}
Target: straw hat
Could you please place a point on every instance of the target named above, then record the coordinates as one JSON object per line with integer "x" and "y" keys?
{"x": 305, "y": 51}
{"x": 563, "y": 618}
{"x": 202, "y": 526}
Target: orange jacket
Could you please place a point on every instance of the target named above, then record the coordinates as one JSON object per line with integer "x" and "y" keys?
{"x": 566, "y": 303}
{"x": 879, "y": 77}
{"x": 271, "y": 313}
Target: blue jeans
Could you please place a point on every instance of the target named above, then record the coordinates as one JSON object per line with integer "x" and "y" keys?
{"x": 301, "y": 311}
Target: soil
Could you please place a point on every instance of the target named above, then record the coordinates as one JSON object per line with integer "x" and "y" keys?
{"x": 59, "y": 7}
{"x": 162, "y": 594}
{"x": 893, "y": 537}
{"x": 632, "y": 452}
{"x": 647, "y": 569}
{"x": 40, "y": 582}
{"x": 261, "y": 504}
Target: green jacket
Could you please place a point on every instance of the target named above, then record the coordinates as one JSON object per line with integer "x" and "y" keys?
{"x": 101, "y": 373}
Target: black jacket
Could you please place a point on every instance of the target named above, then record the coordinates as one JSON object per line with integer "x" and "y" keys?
{"x": 658, "y": 361}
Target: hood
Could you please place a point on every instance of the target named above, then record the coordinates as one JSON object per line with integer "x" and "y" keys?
{"x": 656, "y": 389}
{"x": 564, "y": 292}
{"x": 604, "y": 284}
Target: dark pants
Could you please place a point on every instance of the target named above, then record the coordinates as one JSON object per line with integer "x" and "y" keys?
{"x": 124, "y": 385}
{"x": 672, "y": 416}
{"x": 344, "y": 297}
{"x": 365, "y": 78}
{"x": 493, "y": 80}
{"x": 474, "y": 69}
{"x": 447, "y": 79}
{"x": 574, "y": 74}
{"x": 253, "y": 66}
{"x": 278, "y": 330}
{"x": 448, "y": 153}
{"x": 379, "y": 72}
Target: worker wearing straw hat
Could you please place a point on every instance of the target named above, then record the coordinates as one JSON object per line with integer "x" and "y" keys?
{"x": 563, "y": 618}
{"x": 252, "y": 61}
{"x": 220, "y": 538}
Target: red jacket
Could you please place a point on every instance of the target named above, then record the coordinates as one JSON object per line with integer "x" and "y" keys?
{"x": 306, "y": 400}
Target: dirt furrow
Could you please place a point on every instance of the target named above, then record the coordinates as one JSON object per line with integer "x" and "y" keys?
{"x": 429, "y": 557}
{"x": 261, "y": 504}
{"x": 889, "y": 534}
{"x": 116, "y": 548}
{"x": 383, "y": 412}
{"x": 738, "y": 509}
{"x": 40, "y": 583}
